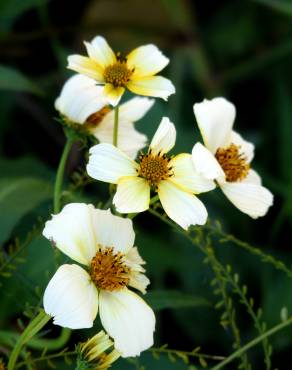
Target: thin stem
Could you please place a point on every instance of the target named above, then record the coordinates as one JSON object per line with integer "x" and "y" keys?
{"x": 278, "y": 264}
{"x": 8, "y": 337}
{"x": 252, "y": 343}
{"x": 186, "y": 353}
{"x": 33, "y": 328}
{"x": 116, "y": 126}
{"x": 60, "y": 173}
{"x": 48, "y": 357}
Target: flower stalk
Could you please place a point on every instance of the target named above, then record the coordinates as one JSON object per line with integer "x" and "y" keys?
{"x": 116, "y": 126}
{"x": 32, "y": 329}
{"x": 60, "y": 172}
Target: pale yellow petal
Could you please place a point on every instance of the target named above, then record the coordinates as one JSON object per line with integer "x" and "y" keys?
{"x": 215, "y": 119}
{"x": 146, "y": 60}
{"x": 249, "y": 198}
{"x": 109, "y": 164}
{"x": 113, "y": 94}
{"x": 185, "y": 175}
{"x": 182, "y": 207}
{"x": 156, "y": 86}
{"x": 86, "y": 66}
{"x": 164, "y": 138}
{"x": 100, "y": 51}
{"x": 133, "y": 195}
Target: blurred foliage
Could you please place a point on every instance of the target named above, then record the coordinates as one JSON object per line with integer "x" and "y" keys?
{"x": 239, "y": 49}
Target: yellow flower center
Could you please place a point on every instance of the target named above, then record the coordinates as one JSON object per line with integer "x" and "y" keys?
{"x": 233, "y": 163}
{"x": 118, "y": 74}
{"x": 154, "y": 168}
{"x": 94, "y": 119}
{"x": 108, "y": 270}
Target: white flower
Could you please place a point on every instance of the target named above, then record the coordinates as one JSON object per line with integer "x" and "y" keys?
{"x": 174, "y": 179}
{"x": 136, "y": 72}
{"x": 226, "y": 157}
{"x": 103, "y": 243}
{"x": 82, "y": 102}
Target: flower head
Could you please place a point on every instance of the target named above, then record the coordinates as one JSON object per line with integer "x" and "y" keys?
{"x": 226, "y": 158}
{"x": 83, "y": 105}
{"x": 173, "y": 178}
{"x": 136, "y": 72}
{"x": 98, "y": 351}
{"x": 103, "y": 243}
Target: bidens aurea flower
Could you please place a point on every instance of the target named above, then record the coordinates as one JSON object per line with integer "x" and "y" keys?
{"x": 103, "y": 243}
{"x": 82, "y": 103}
{"x": 174, "y": 178}
{"x": 226, "y": 158}
{"x": 136, "y": 72}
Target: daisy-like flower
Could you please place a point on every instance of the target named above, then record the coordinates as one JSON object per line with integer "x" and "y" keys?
{"x": 98, "y": 352}
{"x": 103, "y": 244}
{"x": 83, "y": 105}
{"x": 175, "y": 179}
{"x": 136, "y": 72}
{"x": 226, "y": 158}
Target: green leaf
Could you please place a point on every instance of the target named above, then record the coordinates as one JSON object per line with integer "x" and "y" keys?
{"x": 162, "y": 299}
{"x": 12, "y": 79}
{"x": 284, "y": 7}
{"x": 19, "y": 196}
{"x": 12, "y": 9}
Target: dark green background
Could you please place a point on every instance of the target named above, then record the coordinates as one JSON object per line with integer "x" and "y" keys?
{"x": 239, "y": 49}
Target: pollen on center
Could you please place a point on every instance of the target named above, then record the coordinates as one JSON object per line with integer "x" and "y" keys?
{"x": 154, "y": 168}
{"x": 108, "y": 270}
{"x": 118, "y": 74}
{"x": 233, "y": 163}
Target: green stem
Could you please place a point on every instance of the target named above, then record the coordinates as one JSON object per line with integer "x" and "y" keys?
{"x": 252, "y": 343}
{"x": 60, "y": 173}
{"x": 116, "y": 126}
{"x": 33, "y": 328}
{"x": 48, "y": 357}
{"x": 9, "y": 337}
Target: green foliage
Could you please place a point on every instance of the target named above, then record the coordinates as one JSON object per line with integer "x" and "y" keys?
{"x": 11, "y": 79}
{"x": 221, "y": 286}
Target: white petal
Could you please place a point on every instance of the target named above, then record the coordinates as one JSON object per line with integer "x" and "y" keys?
{"x": 108, "y": 163}
{"x": 147, "y": 60}
{"x": 206, "y": 164}
{"x": 100, "y": 52}
{"x": 130, "y": 141}
{"x": 215, "y": 120}
{"x": 252, "y": 199}
{"x": 113, "y": 231}
{"x": 157, "y": 86}
{"x": 135, "y": 109}
{"x": 86, "y": 66}
{"x": 134, "y": 260}
{"x": 246, "y": 147}
{"x": 128, "y": 320}
{"x": 71, "y": 231}
{"x": 182, "y": 207}
{"x": 133, "y": 195}
{"x": 139, "y": 281}
{"x": 80, "y": 97}
{"x": 164, "y": 138}
{"x": 253, "y": 177}
{"x": 186, "y": 177}
{"x": 71, "y": 298}
{"x": 113, "y": 94}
